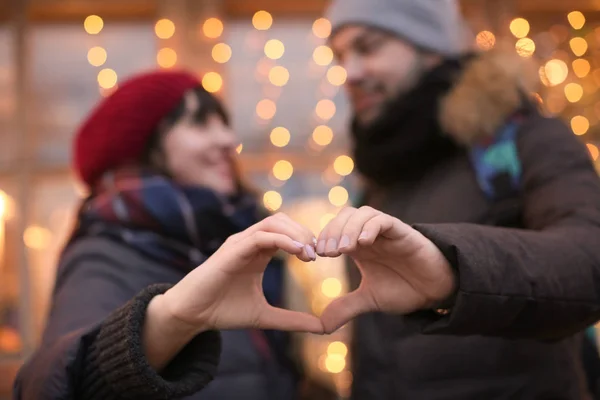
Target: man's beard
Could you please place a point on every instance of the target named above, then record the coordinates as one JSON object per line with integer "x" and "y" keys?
{"x": 406, "y": 135}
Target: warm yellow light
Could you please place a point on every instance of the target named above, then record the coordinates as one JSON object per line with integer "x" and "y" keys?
{"x": 322, "y": 135}
{"x": 580, "y": 125}
{"x": 164, "y": 28}
{"x": 325, "y": 219}
{"x": 279, "y": 76}
{"x": 221, "y": 53}
{"x": 323, "y": 55}
{"x": 239, "y": 148}
{"x": 581, "y": 67}
{"x": 343, "y": 165}
{"x": 266, "y": 109}
{"x": 555, "y": 72}
{"x": 335, "y": 363}
{"x": 525, "y": 47}
{"x": 97, "y": 56}
{"x": 107, "y": 78}
{"x": 337, "y": 75}
{"x": 338, "y": 196}
{"x": 212, "y": 82}
{"x": 283, "y": 170}
{"x": 262, "y": 20}
{"x": 166, "y": 57}
{"x": 274, "y": 49}
{"x": 519, "y": 27}
{"x": 578, "y": 46}
{"x": 325, "y": 109}
{"x": 485, "y": 40}
{"x": 93, "y": 24}
{"x": 37, "y": 237}
{"x": 272, "y": 200}
{"x": 3, "y": 205}
{"x": 573, "y": 92}
{"x": 331, "y": 287}
{"x": 576, "y": 19}
{"x": 594, "y": 152}
{"x": 280, "y": 137}
{"x": 322, "y": 28}
{"x": 338, "y": 348}
{"x": 212, "y": 28}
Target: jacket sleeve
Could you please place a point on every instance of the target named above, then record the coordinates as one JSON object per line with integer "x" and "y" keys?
{"x": 540, "y": 282}
{"x": 92, "y": 346}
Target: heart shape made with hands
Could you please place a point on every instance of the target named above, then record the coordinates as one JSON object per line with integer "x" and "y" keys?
{"x": 402, "y": 271}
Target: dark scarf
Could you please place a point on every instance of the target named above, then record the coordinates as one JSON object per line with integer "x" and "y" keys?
{"x": 178, "y": 226}
{"x": 407, "y": 139}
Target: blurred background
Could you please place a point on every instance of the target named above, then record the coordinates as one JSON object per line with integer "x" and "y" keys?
{"x": 269, "y": 61}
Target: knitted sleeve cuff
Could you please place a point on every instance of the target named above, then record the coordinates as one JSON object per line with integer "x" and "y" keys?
{"x": 116, "y": 366}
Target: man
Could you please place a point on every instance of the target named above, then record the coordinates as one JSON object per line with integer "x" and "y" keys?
{"x": 512, "y": 254}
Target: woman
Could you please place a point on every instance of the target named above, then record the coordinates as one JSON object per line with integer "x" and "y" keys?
{"x": 132, "y": 316}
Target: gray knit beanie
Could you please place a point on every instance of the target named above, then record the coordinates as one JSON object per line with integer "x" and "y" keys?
{"x": 433, "y": 25}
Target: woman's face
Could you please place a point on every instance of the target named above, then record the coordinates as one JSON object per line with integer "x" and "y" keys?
{"x": 201, "y": 154}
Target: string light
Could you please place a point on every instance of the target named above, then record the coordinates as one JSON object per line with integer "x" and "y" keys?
{"x": 519, "y": 27}
{"x": 272, "y": 200}
{"x": 164, "y": 28}
{"x": 343, "y": 165}
{"x": 166, "y": 57}
{"x": 554, "y": 72}
{"x": 93, "y": 24}
{"x": 322, "y": 28}
{"x": 580, "y": 125}
{"x": 323, "y": 55}
{"x": 274, "y": 49}
{"x": 338, "y": 196}
{"x": 239, "y": 148}
{"x": 322, "y": 135}
{"x": 331, "y": 287}
{"x": 525, "y": 47}
{"x": 283, "y": 170}
{"x": 37, "y": 237}
{"x": 266, "y": 109}
{"x": 212, "y": 28}
{"x": 221, "y": 53}
{"x": 97, "y": 56}
{"x": 581, "y": 67}
{"x": 337, "y": 75}
{"x": 573, "y": 92}
{"x": 594, "y": 152}
{"x": 262, "y": 20}
{"x": 279, "y": 76}
{"x": 325, "y": 109}
{"x": 107, "y": 78}
{"x": 212, "y": 82}
{"x": 280, "y": 137}
{"x": 335, "y": 363}
{"x": 578, "y": 46}
{"x": 485, "y": 40}
{"x": 576, "y": 19}
{"x": 338, "y": 348}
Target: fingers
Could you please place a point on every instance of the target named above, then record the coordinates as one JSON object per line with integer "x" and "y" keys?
{"x": 261, "y": 241}
{"x": 286, "y": 320}
{"x": 345, "y": 230}
{"x": 282, "y": 224}
{"x": 343, "y": 309}
{"x": 329, "y": 239}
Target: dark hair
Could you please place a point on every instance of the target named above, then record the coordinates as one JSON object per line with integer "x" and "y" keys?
{"x": 208, "y": 105}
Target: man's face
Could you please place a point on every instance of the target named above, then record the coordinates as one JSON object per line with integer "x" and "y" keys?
{"x": 379, "y": 66}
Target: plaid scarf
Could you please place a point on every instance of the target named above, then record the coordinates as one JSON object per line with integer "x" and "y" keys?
{"x": 176, "y": 225}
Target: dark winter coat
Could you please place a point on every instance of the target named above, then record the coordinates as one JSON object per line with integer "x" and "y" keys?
{"x": 528, "y": 266}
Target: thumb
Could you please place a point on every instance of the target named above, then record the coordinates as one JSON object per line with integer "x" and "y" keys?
{"x": 344, "y": 309}
{"x": 286, "y": 320}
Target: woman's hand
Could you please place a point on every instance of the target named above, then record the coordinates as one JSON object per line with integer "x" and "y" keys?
{"x": 402, "y": 271}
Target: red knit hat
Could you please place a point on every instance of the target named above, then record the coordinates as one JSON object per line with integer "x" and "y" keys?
{"x": 118, "y": 129}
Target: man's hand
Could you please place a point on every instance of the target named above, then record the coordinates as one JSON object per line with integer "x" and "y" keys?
{"x": 402, "y": 271}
